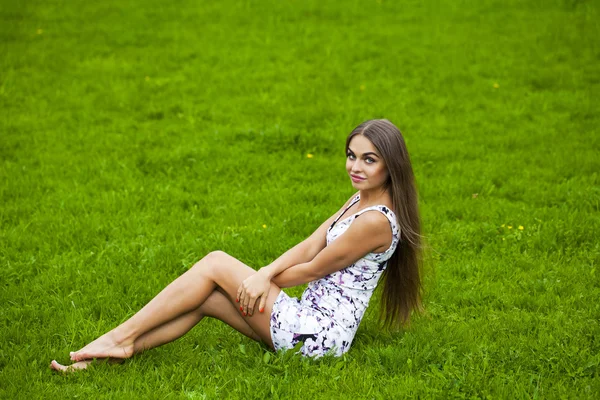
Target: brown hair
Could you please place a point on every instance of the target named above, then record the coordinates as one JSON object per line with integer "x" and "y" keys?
{"x": 402, "y": 277}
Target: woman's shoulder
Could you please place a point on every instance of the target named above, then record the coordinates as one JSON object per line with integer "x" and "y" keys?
{"x": 385, "y": 216}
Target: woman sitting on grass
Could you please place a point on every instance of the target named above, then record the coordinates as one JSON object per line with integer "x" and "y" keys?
{"x": 342, "y": 261}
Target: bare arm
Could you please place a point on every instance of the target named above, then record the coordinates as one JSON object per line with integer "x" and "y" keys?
{"x": 257, "y": 285}
{"x": 367, "y": 233}
{"x": 304, "y": 251}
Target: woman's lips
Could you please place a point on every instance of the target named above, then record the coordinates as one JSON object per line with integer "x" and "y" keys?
{"x": 356, "y": 178}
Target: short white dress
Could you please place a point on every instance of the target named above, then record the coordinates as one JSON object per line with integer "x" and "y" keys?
{"x": 327, "y": 316}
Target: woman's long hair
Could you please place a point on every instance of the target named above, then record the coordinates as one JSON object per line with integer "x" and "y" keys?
{"x": 402, "y": 278}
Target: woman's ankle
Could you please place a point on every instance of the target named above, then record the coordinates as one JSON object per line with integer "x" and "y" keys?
{"x": 123, "y": 336}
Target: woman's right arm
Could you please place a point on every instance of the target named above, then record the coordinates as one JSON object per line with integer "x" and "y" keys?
{"x": 253, "y": 287}
{"x": 304, "y": 251}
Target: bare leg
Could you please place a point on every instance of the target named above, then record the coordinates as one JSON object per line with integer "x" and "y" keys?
{"x": 185, "y": 294}
{"x": 217, "y": 306}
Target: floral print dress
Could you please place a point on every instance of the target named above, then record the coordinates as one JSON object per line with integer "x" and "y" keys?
{"x": 327, "y": 316}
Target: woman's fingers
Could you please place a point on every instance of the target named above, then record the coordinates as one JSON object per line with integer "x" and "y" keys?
{"x": 251, "y": 305}
{"x": 247, "y": 299}
{"x": 245, "y": 303}
{"x": 248, "y": 303}
{"x": 263, "y": 303}
{"x": 254, "y": 288}
{"x": 244, "y": 298}
{"x": 237, "y": 295}
{"x": 240, "y": 297}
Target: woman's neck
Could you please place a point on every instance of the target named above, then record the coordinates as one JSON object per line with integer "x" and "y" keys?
{"x": 374, "y": 197}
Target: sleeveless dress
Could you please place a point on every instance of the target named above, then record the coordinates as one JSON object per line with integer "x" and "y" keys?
{"x": 327, "y": 316}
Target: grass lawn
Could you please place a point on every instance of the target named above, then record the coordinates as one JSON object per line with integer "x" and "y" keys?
{"x": 135, "y": 137}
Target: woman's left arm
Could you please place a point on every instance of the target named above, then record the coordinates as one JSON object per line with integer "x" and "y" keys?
{"x": 366, "y": 233}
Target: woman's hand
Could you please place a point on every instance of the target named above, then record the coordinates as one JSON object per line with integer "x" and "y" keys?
{"x": 253, "y": 287}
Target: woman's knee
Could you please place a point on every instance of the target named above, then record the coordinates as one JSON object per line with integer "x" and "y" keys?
{"x": 210, "y": 261}
{"x": 216, "y": 257}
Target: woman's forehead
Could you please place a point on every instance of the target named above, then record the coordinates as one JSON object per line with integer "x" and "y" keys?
{"x": 360, "y": 144}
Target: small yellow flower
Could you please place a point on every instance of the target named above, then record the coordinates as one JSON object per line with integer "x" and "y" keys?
{"x": 147, "y": 78}
{"x": 509, "y": 227}
{"x": 309, "y": 155}
{"x": 264, "y": 226}
{"x": 496, "y": 86}
{"x": 521, "y": 227}
{"x": 362, "y": 88}
{"x": 502, "y": 226}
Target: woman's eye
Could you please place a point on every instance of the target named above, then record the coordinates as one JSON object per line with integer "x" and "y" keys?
{"x": 350, "y": 156}
{"x": 369, "y": 160}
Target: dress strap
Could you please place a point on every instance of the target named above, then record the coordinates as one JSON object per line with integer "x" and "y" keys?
{"x": 354, "y": 200}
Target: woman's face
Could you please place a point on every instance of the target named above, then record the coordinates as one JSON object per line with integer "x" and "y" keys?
{"x": 364, "y": 164}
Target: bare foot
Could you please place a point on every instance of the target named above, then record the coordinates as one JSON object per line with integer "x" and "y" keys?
{"x": 104, "y": 347}
{"x": 77, "y": 366}
{"x": 70, "y": 368}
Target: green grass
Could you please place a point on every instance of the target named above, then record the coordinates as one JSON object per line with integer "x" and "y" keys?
{"x": 135, "y": 137}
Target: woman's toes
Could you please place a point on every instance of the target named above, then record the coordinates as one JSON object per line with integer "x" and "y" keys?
{"x": 56, "y": 366}
{"x": 77, "y": 356}
{"x": 71, "y": 368}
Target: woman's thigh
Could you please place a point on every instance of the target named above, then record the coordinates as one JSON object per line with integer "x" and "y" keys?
{"x": 228, "y": 273}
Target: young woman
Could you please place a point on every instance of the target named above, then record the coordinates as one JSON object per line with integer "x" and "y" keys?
{"x": 376, "y": 233}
